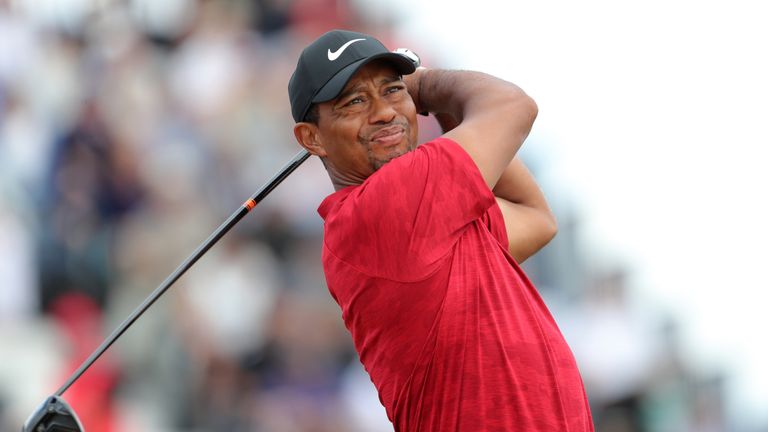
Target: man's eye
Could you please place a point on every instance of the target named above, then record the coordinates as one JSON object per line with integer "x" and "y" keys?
{"x": 354, "y": 101}
{"x": 394, "y": 89}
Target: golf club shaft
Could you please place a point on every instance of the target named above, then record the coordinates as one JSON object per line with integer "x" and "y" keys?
{"x": 189, "y": 262}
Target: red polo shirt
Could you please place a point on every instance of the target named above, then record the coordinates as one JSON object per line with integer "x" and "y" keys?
{"x": 452, "y": 333}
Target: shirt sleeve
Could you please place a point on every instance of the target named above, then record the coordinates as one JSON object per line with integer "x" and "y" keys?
{"x": 494, "y": 220}
{"x": 403, "y": 220}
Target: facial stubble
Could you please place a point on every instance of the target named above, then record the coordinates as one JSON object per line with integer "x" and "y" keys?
{"x": 376, "y": 162}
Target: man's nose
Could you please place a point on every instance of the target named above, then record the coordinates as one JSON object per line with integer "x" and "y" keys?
{"x": 382, "y": 111}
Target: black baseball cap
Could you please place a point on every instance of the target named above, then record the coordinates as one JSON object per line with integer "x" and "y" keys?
{"x": 326, "y": 65}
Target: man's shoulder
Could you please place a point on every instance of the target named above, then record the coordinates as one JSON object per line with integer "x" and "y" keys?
{"x": 330, "y": 204}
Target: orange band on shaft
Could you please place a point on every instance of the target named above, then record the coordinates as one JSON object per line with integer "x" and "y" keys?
{"x": 250, "y": 204}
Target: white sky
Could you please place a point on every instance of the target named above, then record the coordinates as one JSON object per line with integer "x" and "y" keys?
{"x": 654, "y": 119}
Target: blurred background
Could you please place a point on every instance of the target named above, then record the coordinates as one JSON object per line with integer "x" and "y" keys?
{"x": 130, "y": 129}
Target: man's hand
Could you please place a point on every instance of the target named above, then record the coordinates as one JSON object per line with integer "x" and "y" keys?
{"x": 412, "y": 82}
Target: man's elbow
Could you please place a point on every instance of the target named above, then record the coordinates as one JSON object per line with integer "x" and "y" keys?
{"x": 531, "y": 108}
{"x": 519, "y": 111}
{"x": 541, "y": 230}
{"x": 545, "y": 229}
{"x": 524, "y": 107}
{"x": 549, "y": 228}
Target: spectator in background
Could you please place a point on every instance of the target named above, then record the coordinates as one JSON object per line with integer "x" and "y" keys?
{"x": 615, "y": 377}
{"x": 85, "y": 199}
{"x": 18, "y": 280}
{"x": 79, "y": 321}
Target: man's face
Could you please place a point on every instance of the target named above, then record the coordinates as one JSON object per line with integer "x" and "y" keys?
{"x": 371, "y": 122}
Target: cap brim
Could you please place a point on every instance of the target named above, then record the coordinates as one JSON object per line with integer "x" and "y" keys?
{"x": 335, "y": 85}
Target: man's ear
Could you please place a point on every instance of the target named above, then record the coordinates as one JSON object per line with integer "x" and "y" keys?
{"x": 307, "y": 135}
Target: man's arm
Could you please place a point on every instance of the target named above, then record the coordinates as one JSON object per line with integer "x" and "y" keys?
{"x": 493, "y": 117}
{"x": 528, "y": 221}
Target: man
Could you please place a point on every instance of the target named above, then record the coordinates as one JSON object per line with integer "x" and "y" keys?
{"x": 422, "y": 244}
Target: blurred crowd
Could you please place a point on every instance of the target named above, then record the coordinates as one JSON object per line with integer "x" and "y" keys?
{"x": 128, "y": 131}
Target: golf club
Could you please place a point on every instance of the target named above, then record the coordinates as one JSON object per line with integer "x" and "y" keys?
{"x": 54, "y": 414}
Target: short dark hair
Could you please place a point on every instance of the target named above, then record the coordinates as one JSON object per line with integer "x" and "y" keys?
{"x": 313, "y": 114}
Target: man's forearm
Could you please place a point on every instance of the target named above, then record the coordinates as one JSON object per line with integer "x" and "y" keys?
{"x": 518, "y": 186}
{"x": 501, "y": 116}
{"x": 487, "y": 116}
{"x": 457, "y": 92}
{"x": 529, "y": 222}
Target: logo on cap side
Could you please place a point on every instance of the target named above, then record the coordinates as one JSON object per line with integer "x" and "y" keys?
{"x": 335, "y": 54}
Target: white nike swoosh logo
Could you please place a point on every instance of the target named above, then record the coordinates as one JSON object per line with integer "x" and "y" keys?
{"x": 335, "y": 54}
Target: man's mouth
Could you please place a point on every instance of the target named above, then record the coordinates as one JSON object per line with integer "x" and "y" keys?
{"x": 388, "y": 136}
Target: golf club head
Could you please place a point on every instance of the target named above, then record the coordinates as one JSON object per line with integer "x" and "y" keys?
{"x": 53, "y": 415}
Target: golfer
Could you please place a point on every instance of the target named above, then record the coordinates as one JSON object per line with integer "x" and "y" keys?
{"x": 422, "y": 242}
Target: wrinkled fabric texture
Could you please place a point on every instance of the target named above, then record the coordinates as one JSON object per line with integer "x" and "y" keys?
{"x": 452, "y": 333}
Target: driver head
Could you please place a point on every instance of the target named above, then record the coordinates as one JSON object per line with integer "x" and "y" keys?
{"x": 53, "y": 415}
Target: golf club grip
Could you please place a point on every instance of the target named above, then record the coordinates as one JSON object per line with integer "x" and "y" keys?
{"x": 231, "y": 221}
